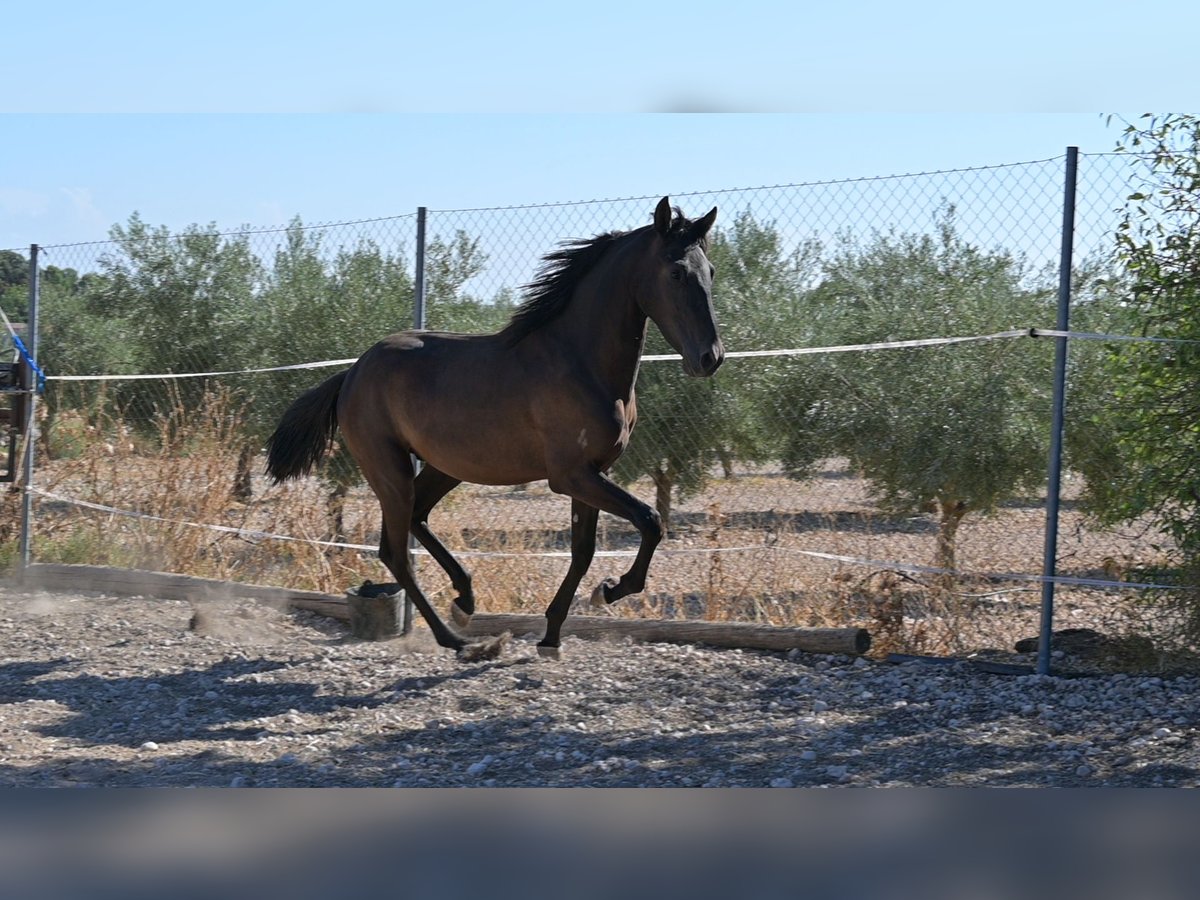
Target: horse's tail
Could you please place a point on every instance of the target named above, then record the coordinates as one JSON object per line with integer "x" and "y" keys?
{"x": 305, "y": 431}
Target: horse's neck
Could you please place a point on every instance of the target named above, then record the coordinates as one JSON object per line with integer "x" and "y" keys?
{"x": 605, "y": 328}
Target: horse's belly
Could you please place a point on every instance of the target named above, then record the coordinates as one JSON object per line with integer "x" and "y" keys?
{"x": 478, "y": 450}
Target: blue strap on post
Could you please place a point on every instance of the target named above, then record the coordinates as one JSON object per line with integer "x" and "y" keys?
{"x": 24, "y": 351}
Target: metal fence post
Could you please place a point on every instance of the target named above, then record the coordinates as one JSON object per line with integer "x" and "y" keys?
{"x": 1054, "y": 479}
{"x": 419, "y": 279}
{"x": 30, "y": 385}
{"x": 418, "y": 324}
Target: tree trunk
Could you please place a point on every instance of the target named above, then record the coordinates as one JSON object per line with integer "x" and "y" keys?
{"x": 726, "y": 459}
{"x": 45, "y": 432}
{"x": 951, "y": 512}
{"x": 664, "y": 481}
{"x": 337, "y": 510}
{"x": 242, "y": 488}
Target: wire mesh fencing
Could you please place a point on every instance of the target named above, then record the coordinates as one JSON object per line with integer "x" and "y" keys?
{"x": 900, "y": 484}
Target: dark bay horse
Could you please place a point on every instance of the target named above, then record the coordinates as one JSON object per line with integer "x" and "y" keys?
{"x": 551, "y": 396}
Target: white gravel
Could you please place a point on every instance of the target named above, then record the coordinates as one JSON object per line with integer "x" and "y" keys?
{"x": 107, "y": 691}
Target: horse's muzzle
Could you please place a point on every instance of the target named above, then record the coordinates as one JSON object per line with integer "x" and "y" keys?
{"x": 708, "y": 363}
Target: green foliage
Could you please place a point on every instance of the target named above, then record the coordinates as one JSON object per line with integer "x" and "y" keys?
{"x": 1151, "y": 464}
{"x": 14, "y": 285}
{"x": 448, "y": 266}
{"x": 955, "y": 429}
{"x": 80, "y": 335}
{"x": 204, "y": 301}
{"x": 318, "y": 304}
{"x": 763, "y": 296}
{"x": 181, "y": 304}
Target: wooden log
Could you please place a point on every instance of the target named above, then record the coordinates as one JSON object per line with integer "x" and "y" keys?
{"x": 328, "y": 605}
{"x": 167, "y": 585}
{"x": 132, "y": 582}
{"x": 745, "y": 635}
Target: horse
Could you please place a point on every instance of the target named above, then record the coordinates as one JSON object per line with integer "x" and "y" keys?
{"x": 548, "y": 397}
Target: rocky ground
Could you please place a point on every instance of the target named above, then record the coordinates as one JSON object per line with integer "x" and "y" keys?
{"x": 105, "y": 691}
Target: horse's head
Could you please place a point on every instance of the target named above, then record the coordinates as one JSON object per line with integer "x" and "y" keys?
{"x": 677, "y": 295}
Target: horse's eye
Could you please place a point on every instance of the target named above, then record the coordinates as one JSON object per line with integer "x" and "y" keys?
{"x": 677, "y": 274}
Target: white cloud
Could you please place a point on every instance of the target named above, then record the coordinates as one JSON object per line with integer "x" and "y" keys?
{"x": 86, "y": 212}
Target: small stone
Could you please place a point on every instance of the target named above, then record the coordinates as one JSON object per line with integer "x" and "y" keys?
{"x": 808, "y": 755}
{"x": 1084, "y": 771}
{"x": 781, "y": 783}
{"x": 149, "y": 745}
{"x": 820, "y": 706}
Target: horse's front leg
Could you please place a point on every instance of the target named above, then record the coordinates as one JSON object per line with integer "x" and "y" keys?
{"x": 595, "y": 489}
{"x": 583, "y": 547}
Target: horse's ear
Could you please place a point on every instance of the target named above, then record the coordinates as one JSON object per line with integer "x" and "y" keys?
{"x": 698, "y": 229}
{"x": 662, "y": 217}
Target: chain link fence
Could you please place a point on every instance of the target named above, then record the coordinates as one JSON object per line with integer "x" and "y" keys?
{"x": 900, "y": 487}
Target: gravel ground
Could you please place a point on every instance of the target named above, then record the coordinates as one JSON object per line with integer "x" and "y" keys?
{"x": 104, "y": 691}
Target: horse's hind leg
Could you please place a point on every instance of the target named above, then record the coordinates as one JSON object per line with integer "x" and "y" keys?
{"x": 395, "y": 492}
{"x": 430, "y": 487}
{"x": 393, "y": 553}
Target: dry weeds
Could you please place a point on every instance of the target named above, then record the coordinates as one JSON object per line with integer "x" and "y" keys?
{"x": 737, "y": 551}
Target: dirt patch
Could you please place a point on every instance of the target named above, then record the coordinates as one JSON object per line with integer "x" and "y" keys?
{"x": 105, "y": 691}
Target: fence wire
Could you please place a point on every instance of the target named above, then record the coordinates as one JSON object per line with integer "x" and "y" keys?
{"x": 902, "y": 486}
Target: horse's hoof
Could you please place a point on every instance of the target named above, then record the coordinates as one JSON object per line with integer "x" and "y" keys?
{"x": 461, "y": 618}
{"x": 549, "y": 652}
{"x": 480, "y": 650}
{"x": 600, "y": 596}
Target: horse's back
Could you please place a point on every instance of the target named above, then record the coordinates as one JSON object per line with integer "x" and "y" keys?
{"x": 449, "y": 398}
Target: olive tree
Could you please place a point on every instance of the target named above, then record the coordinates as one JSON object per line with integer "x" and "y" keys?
{"x": 949, "y": 430}
{"x": 1150, "y": 464}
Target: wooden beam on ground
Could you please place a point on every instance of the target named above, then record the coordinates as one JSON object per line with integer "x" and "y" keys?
{"x": 733, "y": 635}
{"x": 168, "y": 586}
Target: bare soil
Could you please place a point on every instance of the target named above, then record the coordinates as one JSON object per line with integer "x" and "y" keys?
{"x": 223, "y": 691}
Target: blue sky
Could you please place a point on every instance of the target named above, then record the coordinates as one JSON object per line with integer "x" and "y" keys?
{"x": 251, "y": 113}
{"x": 70, "y": 177}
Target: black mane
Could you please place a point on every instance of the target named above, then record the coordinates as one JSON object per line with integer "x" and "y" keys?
{"x": 562, "y": 270}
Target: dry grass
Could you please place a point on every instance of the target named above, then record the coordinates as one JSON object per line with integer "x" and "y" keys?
{"x": 737, "y": 551}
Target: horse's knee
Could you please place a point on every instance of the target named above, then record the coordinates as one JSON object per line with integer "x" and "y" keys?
{"x": 651, "y": 527}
